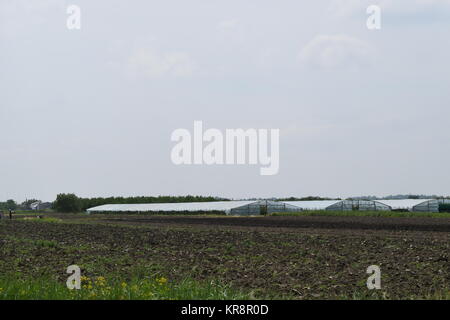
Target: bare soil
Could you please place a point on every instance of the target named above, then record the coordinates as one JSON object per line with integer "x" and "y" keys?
{"x": 294, "y": 257}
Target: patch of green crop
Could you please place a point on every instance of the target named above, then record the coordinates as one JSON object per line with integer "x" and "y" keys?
{"x": 101, "y": 288}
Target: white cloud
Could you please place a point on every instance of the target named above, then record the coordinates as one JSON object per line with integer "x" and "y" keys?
{"x": 154, "y": 64}
{"x": 329, "y": 51}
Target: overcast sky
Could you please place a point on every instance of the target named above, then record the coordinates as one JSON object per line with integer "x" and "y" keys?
{"x": 91, "y": 111}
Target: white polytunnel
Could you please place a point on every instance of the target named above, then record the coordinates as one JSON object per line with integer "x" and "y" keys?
{"x": 339, "y": 205}
{"x": 415, "y": 205}
{"x": 318, "y": 205}
{"x": 251, "y": 207}
{"x": 367, "y": 205}
{"x": 270, "y": 206}
{"x": 229, "y": 207}
{"x": 262, "y": 207}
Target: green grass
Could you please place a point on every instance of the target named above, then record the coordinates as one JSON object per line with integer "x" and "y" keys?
{"x": 12, "y": 288}
{"x": 363, "y": 214}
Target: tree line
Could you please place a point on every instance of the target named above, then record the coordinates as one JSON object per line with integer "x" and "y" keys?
{"x": 8, "y": 205}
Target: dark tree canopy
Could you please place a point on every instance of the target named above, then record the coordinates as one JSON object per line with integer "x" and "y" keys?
{"x": 11, "y": 204}
{"x": 67, "y": 203}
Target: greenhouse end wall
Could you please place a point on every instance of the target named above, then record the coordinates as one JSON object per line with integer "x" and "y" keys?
{"x": 428, "y": 206}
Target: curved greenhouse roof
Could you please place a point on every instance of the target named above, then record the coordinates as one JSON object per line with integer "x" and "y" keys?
{"x": 225, "y": 206}
{"x": 313, "y": 205}
{"x": 412, "y": 204}
{"x": 257, "y": 207}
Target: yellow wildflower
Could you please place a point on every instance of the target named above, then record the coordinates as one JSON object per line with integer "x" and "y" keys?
{"x": 100, "y": 281}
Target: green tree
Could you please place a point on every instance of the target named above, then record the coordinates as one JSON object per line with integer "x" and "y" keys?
{"x": 67, "y": 203}
{"x": 11, "y": 204}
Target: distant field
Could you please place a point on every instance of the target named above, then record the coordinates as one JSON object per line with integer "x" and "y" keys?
{"x": 181, "y": 257}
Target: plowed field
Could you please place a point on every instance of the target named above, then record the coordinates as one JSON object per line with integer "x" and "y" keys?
{"x": 272, "y": 257}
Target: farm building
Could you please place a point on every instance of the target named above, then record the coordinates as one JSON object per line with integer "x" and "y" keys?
{"x": 415, "y": 205}
{"x": 242, "y": 208}
{"x": 39, "y": 205}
